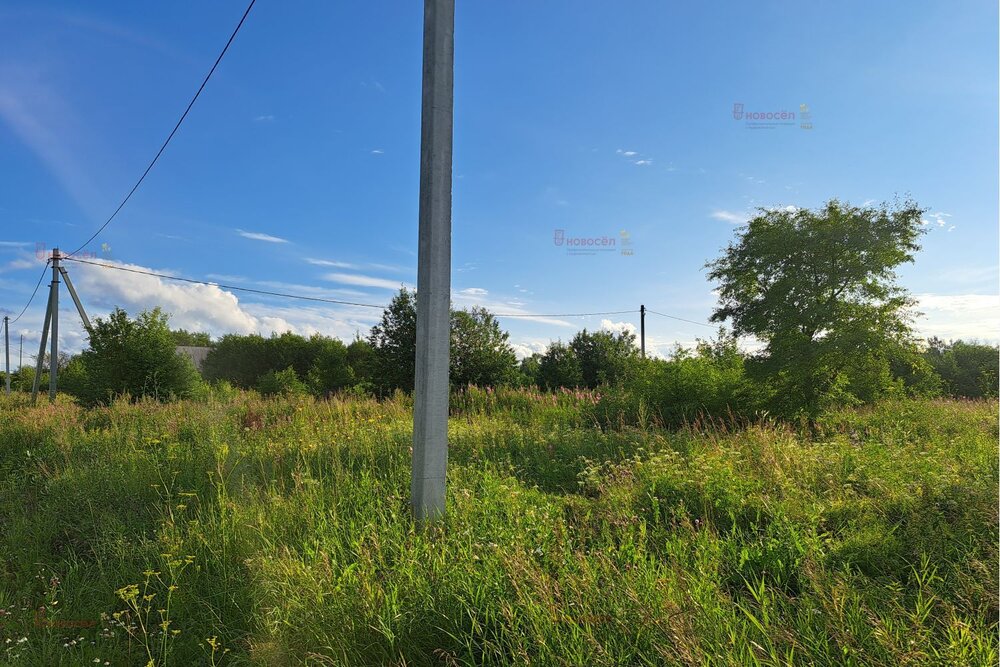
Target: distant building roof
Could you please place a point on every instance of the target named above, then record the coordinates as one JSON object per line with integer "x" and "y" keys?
{"x": 195, "y": 353}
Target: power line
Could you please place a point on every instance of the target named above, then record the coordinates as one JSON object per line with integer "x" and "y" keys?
{"x": 33, "y": 293}
{"x": 303, "y": 297}
{"x": 171, "y": 136}
{"x": 611, "y": 312}
{"x": 674, "y": 317}
{"x": 222, "y": 286}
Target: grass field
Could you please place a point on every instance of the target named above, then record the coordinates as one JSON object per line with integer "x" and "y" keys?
{"x": 242, "y": 531}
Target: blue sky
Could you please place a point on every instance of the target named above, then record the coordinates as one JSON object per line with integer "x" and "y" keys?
{"x": 298, "y": 167}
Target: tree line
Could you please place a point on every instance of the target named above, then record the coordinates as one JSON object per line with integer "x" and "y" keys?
{"x": 817, "y": 289}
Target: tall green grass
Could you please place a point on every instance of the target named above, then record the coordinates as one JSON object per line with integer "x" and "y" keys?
{"x": 239, "y": 530}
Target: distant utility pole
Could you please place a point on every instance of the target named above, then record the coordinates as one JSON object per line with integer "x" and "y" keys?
{"x": 52, "y": 320}
{"x": 430, "y": 410}
{"x": 642, "y": 330}
{"x": 6, "y": 349}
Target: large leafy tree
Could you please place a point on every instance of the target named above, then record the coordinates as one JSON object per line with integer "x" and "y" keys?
{"x": 135, "y": 357}
{"x": 394, "y": 343}
{"x": 604, "y": 356}
{"x": 480, "y": 353}
{"x": 559, "y": 367}
{"x": 818, "y": 287}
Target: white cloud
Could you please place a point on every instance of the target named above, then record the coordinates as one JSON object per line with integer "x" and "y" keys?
{"x": 264, "y": 118}
{"x": 526, "y": 348}
{"x": 259, "y": 236}
{"x": 473, "y": 291}
{"x": 194, "y": 307}
{"x": 13, "y": 244}
{"x": 364, "y": 281}
{"x": 618, "y": 327}
{"x": 939, "y": 219}
{"x": 954, "y": 316}
{"x": 18, "y": 264}
{"x": 730, "y": 217}
{"x": 378, "y": 151}
{"x": 634, "y": 157}
{"x": 328, "y": 262}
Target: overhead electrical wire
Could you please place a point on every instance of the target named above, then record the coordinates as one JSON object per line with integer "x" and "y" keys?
{"x": 33, "y": 293}
{"x": 612, "y": 312}
{"x": 223, "y": 286}
{"x": 303, "y": 297}
{"x": 171, "y": 135}
{"x": 674, "y": 317}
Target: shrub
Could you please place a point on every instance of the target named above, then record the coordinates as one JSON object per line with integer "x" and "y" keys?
{"x": 284, "y": 382}
{"x": 134, "y": 357}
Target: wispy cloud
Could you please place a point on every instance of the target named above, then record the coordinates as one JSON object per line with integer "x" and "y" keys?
{"x": 634, "y": 157}
{"x": 331, "y": 263}
{"x": 259, "y": 236}
{"x": 18, "y": 264}
{"x": 226, "y": 277}
{"x": 378, "y": 151}
{"x": 264, "y": 118}
{"x": 13, "y": 244}
{"x": 966, "y": 316}
{"x": 362, "y": 280}
{"x": 730, "y": 217}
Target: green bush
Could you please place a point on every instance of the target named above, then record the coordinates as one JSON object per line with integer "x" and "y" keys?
{"x": 708, "y": 383}
{"x": 134, "y": 357}
{"x": 284, "y": 382}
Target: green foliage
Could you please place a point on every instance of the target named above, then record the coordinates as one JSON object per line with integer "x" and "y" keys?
{"x": 559, "y": 367}
{"x": 819, "y": 288}
{"x": 480, "y": 353}
{"x": 134, "y": 357}
{"x": 183, "y": 337}
{"x": 708, "y": 383}
{"x": 284, "y": 382}
{"x": 279, "y": 530}
{"x": 394, "y": 343}
{"x": 239, "y": 360}
{"x": 324, "y": 365}
{"x": 529, "y": 371}
{"x": 967, "y": 370}
{"x": 604, "y": 356}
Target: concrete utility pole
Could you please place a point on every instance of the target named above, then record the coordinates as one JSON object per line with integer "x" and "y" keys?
{"x": 54, "y": 352}
{"x": 430, "y": 410}
{"x": 642, "y": 330}
{"x": 6, "y": 349}
{"x": 41, "y": 345}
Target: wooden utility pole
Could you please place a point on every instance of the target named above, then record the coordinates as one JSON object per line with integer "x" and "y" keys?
{"x": 430, "y": 410}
